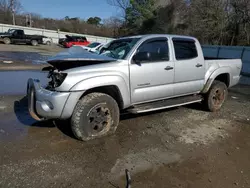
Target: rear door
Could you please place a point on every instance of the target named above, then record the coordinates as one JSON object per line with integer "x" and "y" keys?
{"x": 153, "y": 79}
{"x": 189, "y": 66}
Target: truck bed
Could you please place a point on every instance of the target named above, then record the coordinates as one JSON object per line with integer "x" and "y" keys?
{"x": 234, "y": 66}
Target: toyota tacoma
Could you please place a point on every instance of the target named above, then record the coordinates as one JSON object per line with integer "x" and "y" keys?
{"x": 137, "y": 74}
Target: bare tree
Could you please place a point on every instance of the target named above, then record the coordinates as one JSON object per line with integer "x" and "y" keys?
{"x": 113, "y": 24}
{"x": 9, "y": 5}
{"x": 239, "y": 21}
{"x": 122, "y": 4}
{"x": 209, "y": 22}
{"x": 8, "y": 8}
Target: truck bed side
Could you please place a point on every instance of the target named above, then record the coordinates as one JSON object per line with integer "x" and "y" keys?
{"x": 230, "y": 67}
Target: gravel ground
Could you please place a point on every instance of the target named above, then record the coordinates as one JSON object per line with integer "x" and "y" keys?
{"x": 180, "y": 147}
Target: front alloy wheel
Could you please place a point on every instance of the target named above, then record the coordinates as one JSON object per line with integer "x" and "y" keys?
{"x": 95, "y": 115}
{"x": 99, "y": 119}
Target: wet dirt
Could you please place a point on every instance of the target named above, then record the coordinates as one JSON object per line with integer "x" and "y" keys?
{"x": 180, "y": 147}
{"x": 42, "y": 49}
{"x": 21, "y": 57}
{"x": 222, "y": 164}
{"x": 34, "y": 57}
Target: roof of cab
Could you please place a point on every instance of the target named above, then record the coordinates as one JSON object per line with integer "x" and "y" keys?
{"x": 158, "y": 35}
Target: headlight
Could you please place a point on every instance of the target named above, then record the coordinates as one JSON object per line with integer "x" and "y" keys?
{"x": 57, "y": 79}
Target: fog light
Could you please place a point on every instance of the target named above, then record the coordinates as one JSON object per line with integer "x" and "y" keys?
{"x": 47, "y": 106}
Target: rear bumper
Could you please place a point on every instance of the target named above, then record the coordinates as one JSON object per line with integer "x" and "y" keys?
{"x": 45, "y": 104}
{"x": 235, "y": 80}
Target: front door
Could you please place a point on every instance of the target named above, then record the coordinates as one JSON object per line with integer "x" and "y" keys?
{"x": 15, "y": 37}
{"x": 189, "y": 67}
{"x": 152, "y": 79}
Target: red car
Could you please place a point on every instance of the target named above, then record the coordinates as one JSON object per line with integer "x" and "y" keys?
{"x": 75, "y": 40}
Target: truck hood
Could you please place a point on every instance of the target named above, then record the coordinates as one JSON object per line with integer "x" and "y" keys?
{"x": 76, "y": 56}
{"x": 4, "y": 34}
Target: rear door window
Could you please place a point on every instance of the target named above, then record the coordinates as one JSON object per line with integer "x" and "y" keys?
{"x": 19, "y": 32}
{"x": 184, "y": 49}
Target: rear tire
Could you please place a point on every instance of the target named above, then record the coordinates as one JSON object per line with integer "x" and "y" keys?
{"x": 95, "y": 115}
{"x": 6, "y": 40}
{"x": 34, "y": 43}
{"x": 48, "y": 43}
{"x": 216, "y": 96}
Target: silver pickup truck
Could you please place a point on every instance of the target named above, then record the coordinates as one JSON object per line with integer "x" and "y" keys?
{"x": 137, "y": 74}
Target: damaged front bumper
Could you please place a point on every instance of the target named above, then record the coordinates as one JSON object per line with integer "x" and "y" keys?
{"x": 43, "y": 103}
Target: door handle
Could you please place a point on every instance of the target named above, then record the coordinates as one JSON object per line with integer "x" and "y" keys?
{"x": 169, "y": 68}
{"x": 199, "y": 65}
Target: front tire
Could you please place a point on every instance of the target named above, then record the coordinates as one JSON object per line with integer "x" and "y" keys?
{"x": 216, "y": 96}
{"x": 95, "y": 115}
{"x": 48, "y": 43}
{"x": 6, "y": 40}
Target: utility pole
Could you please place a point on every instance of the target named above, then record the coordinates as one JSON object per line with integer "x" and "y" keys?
{"x": 13, "y": 11}
{"x": 30, "y": 20}
{"x": 26, "y": 20}
{"x": 13, "y": 15}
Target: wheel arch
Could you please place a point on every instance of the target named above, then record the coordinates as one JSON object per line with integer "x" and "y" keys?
{"x": 111, "y": 90}
{"x": 112, "y": 85}
{"x": 221, "y": 74}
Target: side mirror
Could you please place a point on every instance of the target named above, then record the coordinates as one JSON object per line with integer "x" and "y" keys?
{"x": 141, "y": 56}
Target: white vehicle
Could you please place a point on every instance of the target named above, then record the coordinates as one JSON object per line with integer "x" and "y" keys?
{"x": 93, "y": 47}
{"x": 47, "y": 40}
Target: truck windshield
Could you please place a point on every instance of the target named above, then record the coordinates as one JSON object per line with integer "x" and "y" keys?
{"x": 120, "y": 48}
{"x": 11, "y": 31}
{"x": 93, "y": 45}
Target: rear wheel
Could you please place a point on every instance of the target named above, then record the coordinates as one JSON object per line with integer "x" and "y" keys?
{"x": 95, "y": 115}
{"x": 6, "y": 40}
{"x": 48, "y": 43}
{"x": 34, "y": 43}
{"x": 216, "y": 96}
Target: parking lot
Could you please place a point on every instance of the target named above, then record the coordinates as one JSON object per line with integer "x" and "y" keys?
{"x": 26, "y": 57}
{"x": 180, "y": 147}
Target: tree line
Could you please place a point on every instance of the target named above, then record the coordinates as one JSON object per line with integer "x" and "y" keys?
{"x": 92, "y": 26}
{"x": 216, "y": 22}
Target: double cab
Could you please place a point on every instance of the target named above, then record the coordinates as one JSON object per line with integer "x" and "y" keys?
{"x": 137, "y": 74}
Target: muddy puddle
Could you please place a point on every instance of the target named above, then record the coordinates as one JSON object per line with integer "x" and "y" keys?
{"x": 34, "y": 57}
{"x": 15, "y": 82}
